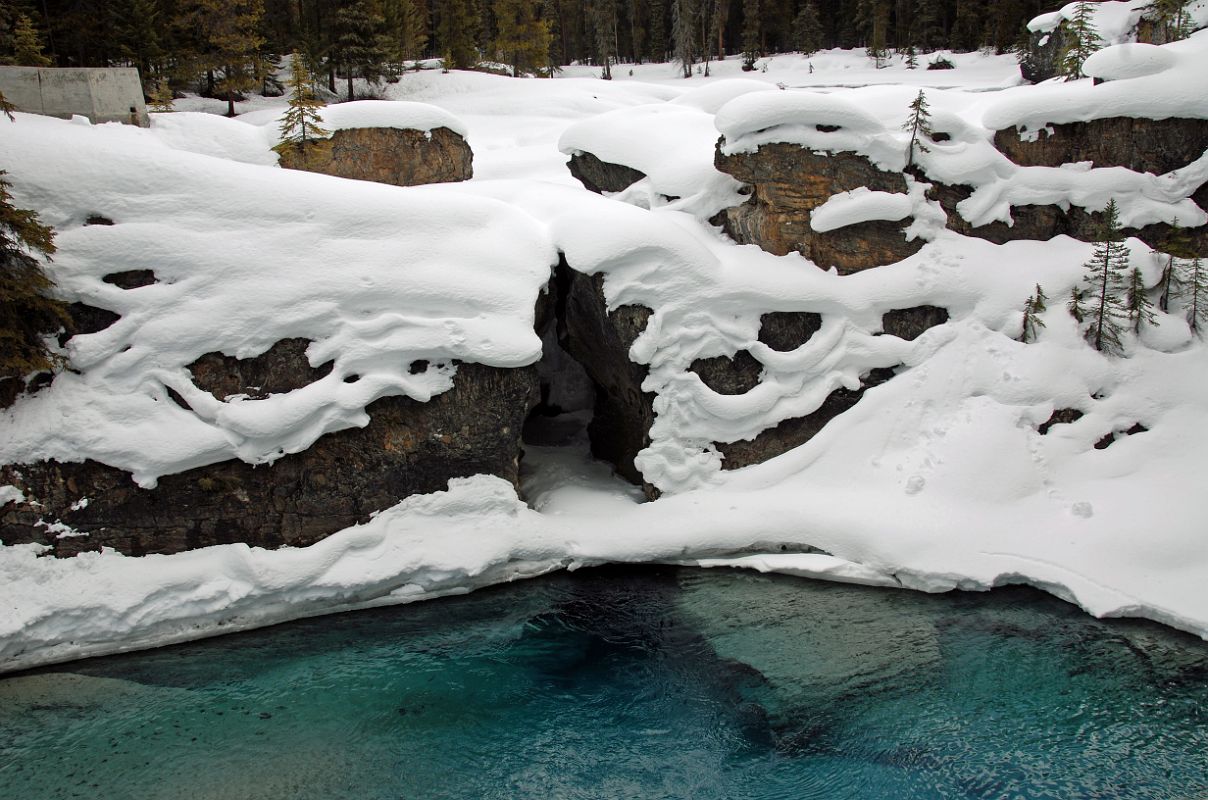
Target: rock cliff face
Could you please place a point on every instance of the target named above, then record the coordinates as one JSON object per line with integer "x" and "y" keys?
{"x": 788, "y": 182}
{"x": 600, "y": 339}
{"x": 408, "y": 448}
{"x": 389, "y": 155}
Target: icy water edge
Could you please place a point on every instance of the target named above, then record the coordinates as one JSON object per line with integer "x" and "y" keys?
{"x": 633, "y": 683}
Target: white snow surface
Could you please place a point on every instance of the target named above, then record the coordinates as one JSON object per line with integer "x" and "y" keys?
{"x": 937, "y": 479}
{"x": 1115, "y": 21}
{"x": 860, "y": 205}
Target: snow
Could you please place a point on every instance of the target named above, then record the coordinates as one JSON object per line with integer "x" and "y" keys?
{"x": 1114, "y": 21}
{"x": 936, "y": 480}
{"x": 859, "y": 205}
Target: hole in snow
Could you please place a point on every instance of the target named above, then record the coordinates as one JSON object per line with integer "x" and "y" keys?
{"x": 417, "y": 367}
{"x": 353, "y": 378}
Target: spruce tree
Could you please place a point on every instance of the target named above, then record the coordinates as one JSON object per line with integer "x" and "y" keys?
{"x": 27, "y": 312}
{"x": 161, "y": 97}
{"x": 807, "y": 29}
{"x": 405, "y": 23}
{"x": 967, "y": 26}
{"x": 878, "y": 49}
{"x": 683, "y": 34}
{"x": 358, "y": 47}
{"x": 522, "y": 40}
{"x": 1103, "y": 281}
{"x": 1137, "y": 305}
{"x": 1083, "y": 41}
{"x": 1076, "y": 305}
{"x": 912, "y": 59}
{"x": 1171, "y": 17}
{"x": 1193, "y": 291}
{"x": 657, "y": 41}
{"x": 26, "y": 45}
{"x": 457, "y": 32}
{"x": 1032, "y": 309}
{"x": 301, "y": 126}
{"x": 926, "y": 25}
{"x": 750, "y": 34}
{"x": 1175, "y": 245}
{"x": 604, "y": 24}
{"x": 228, "y": 43}
{"x": 918, "y": 125}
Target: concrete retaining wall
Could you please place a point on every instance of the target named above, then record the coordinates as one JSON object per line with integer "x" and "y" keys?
{"x": 102, "y": 95}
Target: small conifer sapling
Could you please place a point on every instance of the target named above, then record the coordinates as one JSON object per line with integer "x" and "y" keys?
{"x": 1032, "y": 309}
{"x": 1084, "y": 40}
{"x": 1194, "y": 293}
{"x": 1103, "y": 281}
{"x": 1137, "y": 304}
{"x": 301, "y": 126}
{"x": 918, "y": 125}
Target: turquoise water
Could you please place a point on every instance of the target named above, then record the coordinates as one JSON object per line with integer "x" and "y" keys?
{"x": 636, "y": 683}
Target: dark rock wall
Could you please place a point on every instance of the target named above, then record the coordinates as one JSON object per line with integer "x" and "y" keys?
{"x": 601, "y": 176}
{"x": 389, "y": 155}
{"x": 408, "y": 448}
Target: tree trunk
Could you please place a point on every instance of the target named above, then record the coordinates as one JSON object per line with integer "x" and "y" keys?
{"x": 230, "y": 104}
{"x": 350, "y": 84}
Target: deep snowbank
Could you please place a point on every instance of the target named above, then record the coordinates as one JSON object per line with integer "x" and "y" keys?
{"x": 936, "y": 480}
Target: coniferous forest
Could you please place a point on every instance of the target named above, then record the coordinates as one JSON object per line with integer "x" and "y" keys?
{"x": 225, "y": 47}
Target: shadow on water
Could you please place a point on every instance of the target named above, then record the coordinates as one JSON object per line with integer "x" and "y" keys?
{"x": 642, "y": 682}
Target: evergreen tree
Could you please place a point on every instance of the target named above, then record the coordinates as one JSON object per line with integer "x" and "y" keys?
{"x": 918, "y": 125}
{"x": 358, "y": 50}
{"x": 1076, "y": 305}
{"x": 1176, "y": 245}
{"x": 522, "y": 40}
{"x": 26, "y": 45}
{"x": 1193, "y": 291}
{"x": 405, "y": 23}
{"x": 1083, "y": 40}
{"x": 878, "y": 50}
{"x": 750, "y": 34}
{"x": 1032, "y": 309}
{"x": 228, "y": 43}
{"x": 457, "y": 32}
{"x": 301, "y": 127}
{"x": 27, "y": 313}
{"x": 136, "y": 28}
{"x": 1171, "y": 17}
{"x": 1137, "y": 305}
{"x": 683, "y": 34}
{"x": 927, "y": 27}
{"x": 967, "y": 26}
{"x": 1104, "y": 278}
{"x": 161, "y": 97}
{"x": 807, "y": 29}
{"x": 604, "y": 23}
{"x": 657, "y": 45}
{"x": 912, "y": 59}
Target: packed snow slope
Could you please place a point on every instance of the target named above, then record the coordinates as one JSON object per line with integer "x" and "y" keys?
{"x": 938, "y": 479}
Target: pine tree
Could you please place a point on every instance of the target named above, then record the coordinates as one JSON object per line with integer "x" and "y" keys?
{"x": 1171, "y": 17}
{"x": 301, "y": 127}
{"x": 1137, "y": 305}
{"x": 457, "y": 32}
{"x": 926, "y": 25}
{"x": 918, "y": 125}
{"x": 807, "y": 29}
{"x": 405, "y": 23}
{"x": 358, "y": 47}
{"x": 161, "y": 97}
{"x": 878, "y": 50}
{"x": 228, "y": 42}
{"x": 750, "y": 34}
{"x": 1076, "y": 305}
{"x": 137, "y": 33}
{"x": 1193, "y": 291}
{"x": 1032, "y": 309}
{"x": 27, "y": 313}
{"x": 912, "y": 59}
{"x": 1104, "y": 278}
{"x": 604, "y": 23}
{"x": 27, "y": 48}
{"x": 657, "y": 41}
{"x": 1174, "y": 246}
{"x": 967, "y": 26}
{"x": 683, "y": 35}
{"x": 522, "y": 40}
{"x": 1083, "y": 40}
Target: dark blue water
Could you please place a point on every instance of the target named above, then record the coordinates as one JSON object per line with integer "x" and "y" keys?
{"x": 648, "y": 683}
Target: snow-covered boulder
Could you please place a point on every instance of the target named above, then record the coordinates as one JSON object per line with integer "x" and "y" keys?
{"x": 399, "y": 143}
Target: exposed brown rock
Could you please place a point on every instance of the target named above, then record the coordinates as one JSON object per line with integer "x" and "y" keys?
{"x": 787, "y": 330}
{"x": 1060, "y": 416}
{"x": 788, "y": 182}
{"x": 601, "y": 176}
{"x": 389, "y": 155}
{"x": 87, "y": 319}
{"x": 600, "y": 340}
{"x": 910, "y": 323}
{"x": 797, "y": 431}
{"x": 737, "y": 375}
{"x": 344, "y": 477}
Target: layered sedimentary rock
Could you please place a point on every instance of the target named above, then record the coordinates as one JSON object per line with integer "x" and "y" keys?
{"x": 788, "y": 182}
{"x": 400, "y": 157}
{"x": 407, "y": 448}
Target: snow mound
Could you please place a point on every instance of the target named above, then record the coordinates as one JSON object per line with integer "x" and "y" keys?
{"x": 859, "y": 205}
{"x": 1114, "y": 21}
{"x": 712, "y": 96}
{"x": 390, "y": 114}
{"x": 1126, "y": 61}
{"x": 1173, "y": 84}
{"x": 244, "y": 256}
{"x": 827, "y": 122}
